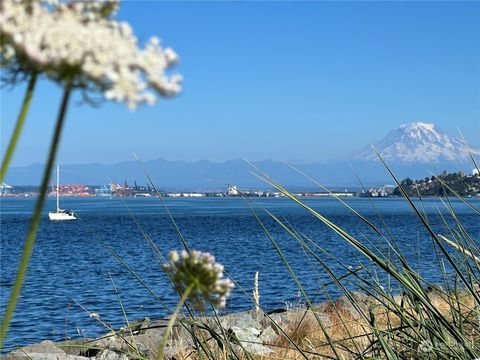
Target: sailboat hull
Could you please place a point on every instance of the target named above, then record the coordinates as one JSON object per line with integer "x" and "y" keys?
{"x": 61, "y": 216}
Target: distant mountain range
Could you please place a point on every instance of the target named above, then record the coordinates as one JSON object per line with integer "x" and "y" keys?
{"x": 411, "y": 150}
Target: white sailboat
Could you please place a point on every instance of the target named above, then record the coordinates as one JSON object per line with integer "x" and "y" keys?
{"x": 61, "y": 214}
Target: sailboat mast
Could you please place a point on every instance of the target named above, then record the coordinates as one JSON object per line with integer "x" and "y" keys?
{"x": 58, "y": 185}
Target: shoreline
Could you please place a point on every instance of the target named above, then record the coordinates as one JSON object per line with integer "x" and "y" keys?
{"x": 257, "y": 332}
{"x": 254, "y": 332}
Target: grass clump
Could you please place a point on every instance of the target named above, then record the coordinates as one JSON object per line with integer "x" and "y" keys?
{"x": 413, "y": 319}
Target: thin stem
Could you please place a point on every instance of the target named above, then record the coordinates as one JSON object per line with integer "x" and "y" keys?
{"x": 32, "y": 232}
{"x": 171, "y": 322}
{"x": 18, "y": 126}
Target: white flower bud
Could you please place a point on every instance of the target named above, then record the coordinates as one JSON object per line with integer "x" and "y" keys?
{"x": 198, "y": 269}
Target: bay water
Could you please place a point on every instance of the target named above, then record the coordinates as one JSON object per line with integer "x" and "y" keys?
{"x": 93, "y": 264}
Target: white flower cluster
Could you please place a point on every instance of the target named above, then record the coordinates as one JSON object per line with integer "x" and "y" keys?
{"x": 199, "y": 271}
{"x": 79, "y": 41}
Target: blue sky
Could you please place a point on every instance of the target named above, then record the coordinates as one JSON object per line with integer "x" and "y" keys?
{"x": 279, "y": 80}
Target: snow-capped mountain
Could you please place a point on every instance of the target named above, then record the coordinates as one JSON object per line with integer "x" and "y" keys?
{"x": 420, "y": 143}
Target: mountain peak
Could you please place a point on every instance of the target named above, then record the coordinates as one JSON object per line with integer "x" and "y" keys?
{"x": 417, "y": 142}
{"x": 422, "y": 132}
{"x": 418, "y": 126}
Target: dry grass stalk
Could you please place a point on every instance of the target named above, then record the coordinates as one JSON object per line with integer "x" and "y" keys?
{"x": 461, "y": 249}
{"x": 256, "y": 294}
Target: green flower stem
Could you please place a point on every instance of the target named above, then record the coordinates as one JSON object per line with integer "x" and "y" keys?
{"x": 18, "y": 126}
{"x": 173, "y": 318}
{"x": 32, "y": 232}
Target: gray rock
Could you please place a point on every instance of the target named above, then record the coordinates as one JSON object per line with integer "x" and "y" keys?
{"x": 77, "y": 347}
{"x": 114, "y": 342}
{"x": 148, "y": 342}
{"x": 136, "y": 327}
{"x": 40, "y": 356}
{"x": 249, "y": 339}
{"x": 242, "y": 320}
{"x": 111, "y": 355}
{"x": 268, "y": 336}
{"x": 273, "y": 320}
{"x": 46, "y": 350}
{"x": 45, "y": 347}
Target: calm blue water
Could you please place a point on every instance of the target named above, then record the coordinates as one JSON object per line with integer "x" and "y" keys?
{"x": 71, "y": 264}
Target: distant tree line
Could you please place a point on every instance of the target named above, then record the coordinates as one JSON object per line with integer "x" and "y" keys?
{"x": 442, "y": 185}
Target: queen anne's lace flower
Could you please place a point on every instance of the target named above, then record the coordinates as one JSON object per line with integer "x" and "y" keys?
{"x": 79, "y": 41}
{"x": 200, "y": 272}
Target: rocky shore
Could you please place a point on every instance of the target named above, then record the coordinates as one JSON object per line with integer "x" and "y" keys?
{"x": 253, "y": 331}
